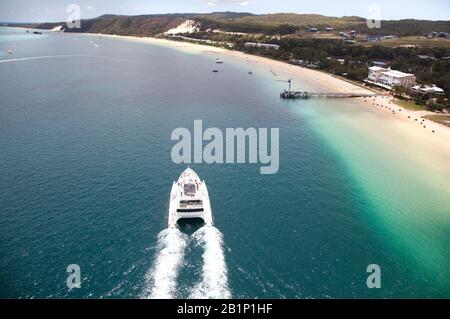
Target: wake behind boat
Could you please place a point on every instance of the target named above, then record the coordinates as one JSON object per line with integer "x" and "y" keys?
{"x": 189, "y": 199}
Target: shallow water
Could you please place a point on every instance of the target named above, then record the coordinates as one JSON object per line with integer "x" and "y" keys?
{"x": 85, "y": 173}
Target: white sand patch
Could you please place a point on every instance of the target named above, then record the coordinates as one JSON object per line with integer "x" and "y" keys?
{"x": 188, "y": 26}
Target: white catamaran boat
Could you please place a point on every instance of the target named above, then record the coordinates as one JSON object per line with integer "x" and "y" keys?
{"x": 189, "y": 199}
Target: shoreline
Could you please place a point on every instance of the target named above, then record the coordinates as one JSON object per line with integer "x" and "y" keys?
{"x": 315, "y": 78}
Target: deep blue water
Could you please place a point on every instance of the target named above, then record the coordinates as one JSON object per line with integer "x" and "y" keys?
{"x": 85, "y": 174}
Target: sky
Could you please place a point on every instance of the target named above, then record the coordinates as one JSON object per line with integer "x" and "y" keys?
{"x": 55, "y": 10}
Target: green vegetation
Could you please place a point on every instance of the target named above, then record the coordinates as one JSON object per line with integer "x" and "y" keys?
{"x": 301, "y": 20}
{"x": 412, "y": 41}
{"x": 325, "y": 54}
{"x": 260, "y": 24}
{"x": 407, "y": 27}
{"x": 279, "y": 23}
{"x": 441, "y": 119}
{"x": 419, "y": 101}
{"x": 410, "y": 105}
{"x": 287, "y": 23}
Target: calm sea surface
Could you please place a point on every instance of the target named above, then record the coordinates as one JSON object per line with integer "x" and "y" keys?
{"x": 85, "y": 175}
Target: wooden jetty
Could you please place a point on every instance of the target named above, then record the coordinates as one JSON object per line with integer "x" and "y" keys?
{"x": 307, "y": 95}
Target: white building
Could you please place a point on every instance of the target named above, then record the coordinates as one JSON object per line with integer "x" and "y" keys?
{"x": 428, "y": 89}
{"x": 375, "y": 73}
{"x": 311, "y": 29}
{"x": 262, "y": 45}
{"x": 388, "y": 78}
{"x": 396, "y": 78}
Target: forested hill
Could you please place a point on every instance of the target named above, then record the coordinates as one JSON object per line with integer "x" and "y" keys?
{"x": 279, "y": 23}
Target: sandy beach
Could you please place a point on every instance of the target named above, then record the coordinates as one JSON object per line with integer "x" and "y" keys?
{"x": 435, "y": 135}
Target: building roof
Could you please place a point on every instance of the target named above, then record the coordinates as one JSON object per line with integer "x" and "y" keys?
{"x": 377, "y": 63}
{"x": 261, "y": 44}
{"x": 428, "y": 88}
{"x": 425, "y": 57}
{"x": 377, "y": 68}
{"x": 397, "y": 74}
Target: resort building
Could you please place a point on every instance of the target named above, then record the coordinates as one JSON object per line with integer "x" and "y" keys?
{"x": 376, "y": 38}
{"x": 427, "y": 89}
{"x": 379, "y": 63}
{"x": 210, "y": 42}
{"x": 425, "y": 57}
{"x": 396, "y": 78}
{"x": 307, "y": 64}
{"x": 372, "y": 38}
{"x": 311, "y": 29}
{"x": 262, "y": 45}
{"x": 388, "y": 78}
{"x": 375, "y": 73}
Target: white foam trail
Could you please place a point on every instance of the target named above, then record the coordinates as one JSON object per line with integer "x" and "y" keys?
{"x": 162, "y": 277}
{"x": 214, "y": 284}
{"x": 54, "y": 57}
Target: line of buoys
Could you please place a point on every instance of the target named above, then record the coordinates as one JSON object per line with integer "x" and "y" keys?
{"x": 421, "y": 122}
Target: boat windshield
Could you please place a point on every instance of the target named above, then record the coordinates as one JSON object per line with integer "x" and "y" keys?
{"x": 190, "y": 189}
{"x": 190, "y": 203}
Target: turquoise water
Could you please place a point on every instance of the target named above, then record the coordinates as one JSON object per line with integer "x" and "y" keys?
{"x": 85, "y": 173}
